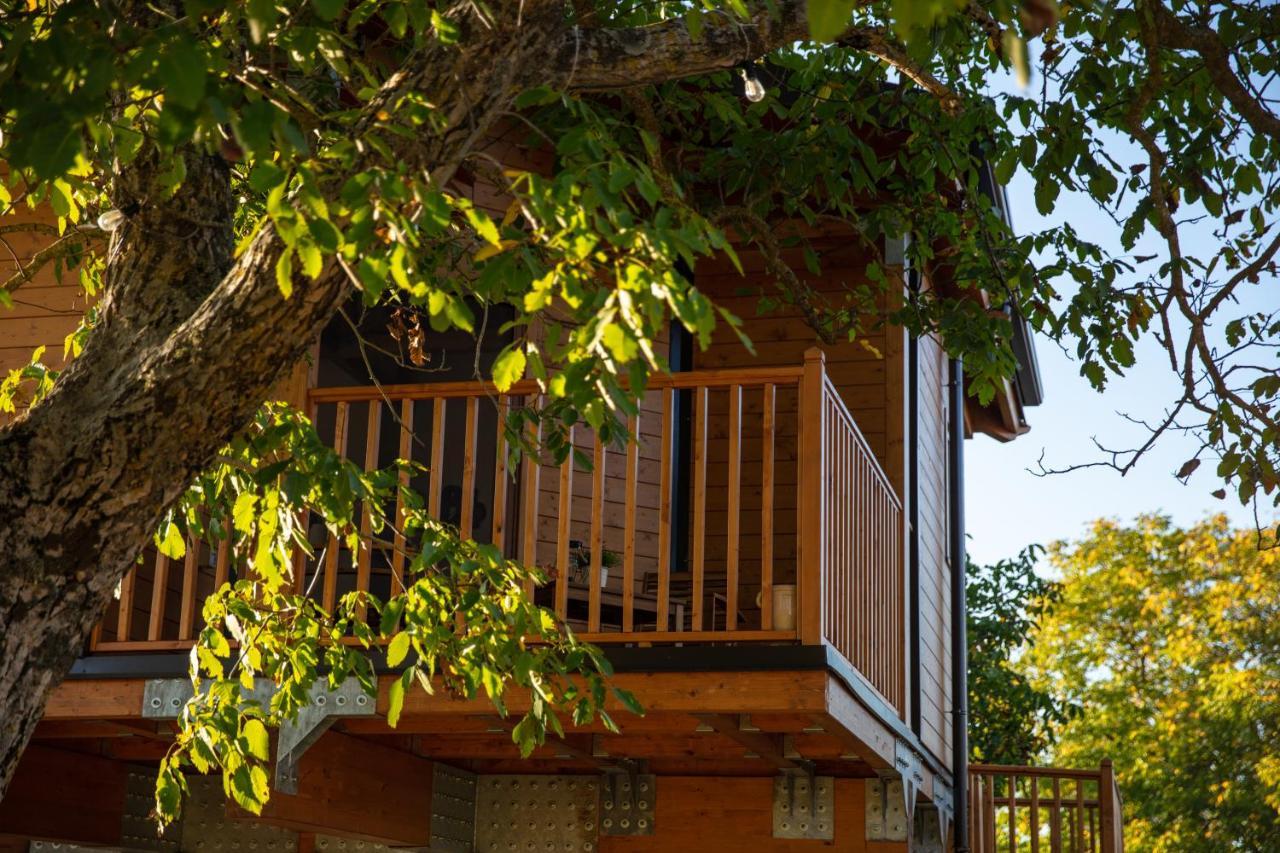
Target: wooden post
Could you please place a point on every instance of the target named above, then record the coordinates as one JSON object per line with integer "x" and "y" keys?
{"x": 809, "y": 544}
{"x": 1108, "y": 810}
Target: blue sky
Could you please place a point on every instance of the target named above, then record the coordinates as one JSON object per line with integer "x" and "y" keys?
{"x": 1008, "y": 507}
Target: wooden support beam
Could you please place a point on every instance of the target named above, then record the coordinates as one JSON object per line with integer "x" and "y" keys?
{"x": 766, "y": 747}
{"x": 65, "y": 796}
{"x": 357, "y": 788}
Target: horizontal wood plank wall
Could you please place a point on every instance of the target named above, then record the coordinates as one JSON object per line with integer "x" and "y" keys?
{"x": 731, "y": 815}
{"x": 864, "y": 375}
{"x": 935, "y": 573}
{"x": 47, "y": 308}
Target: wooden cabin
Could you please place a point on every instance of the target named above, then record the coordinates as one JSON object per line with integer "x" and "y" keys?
{"x": 769, "y": 565}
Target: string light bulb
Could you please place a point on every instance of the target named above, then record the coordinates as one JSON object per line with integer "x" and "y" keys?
{"x": 752, "y": 86}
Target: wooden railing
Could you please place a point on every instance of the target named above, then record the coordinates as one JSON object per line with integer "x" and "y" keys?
{"x": 640, "y": 545}
{"x": 855, "y": 566}
{"x": 1030, "y": 809}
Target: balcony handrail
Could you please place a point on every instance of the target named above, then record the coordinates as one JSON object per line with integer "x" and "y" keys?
{"x": 1014, "y": 808}
{"x": 713, "y": 378}
{"x": 741, "y": 418}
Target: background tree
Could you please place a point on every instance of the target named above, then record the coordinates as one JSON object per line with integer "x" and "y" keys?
{"x": 1168, "y": 640}
{"x": 246, "y": 167}
{"x": 1012, "y": 720}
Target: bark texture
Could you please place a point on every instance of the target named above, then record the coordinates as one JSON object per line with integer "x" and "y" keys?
{"x": 191, "y": 339}
{"x": 190, "y": 343}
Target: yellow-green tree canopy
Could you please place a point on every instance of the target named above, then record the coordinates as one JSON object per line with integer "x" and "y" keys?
{"x": 1169, "y": 641}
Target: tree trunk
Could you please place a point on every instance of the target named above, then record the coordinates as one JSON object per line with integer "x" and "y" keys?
{"x": 188, "y": 347}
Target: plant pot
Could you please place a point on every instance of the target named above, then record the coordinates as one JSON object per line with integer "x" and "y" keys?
{"x": 784, "y": 606}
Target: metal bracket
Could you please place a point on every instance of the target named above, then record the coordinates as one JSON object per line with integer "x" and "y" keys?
{"x": 324, "y": 706}
{"x": 886, "y": 813}
{"x": 944, "y": 804}
{"x": 926, "y": 833}
{"x": 627, "y": 801}
{"x": 911, "y": 767}
{"x": 804, "y": 806}
{"x": 164, "y": 698}
{"x": 453, "y": 809}
{"x": 536, "y": 813}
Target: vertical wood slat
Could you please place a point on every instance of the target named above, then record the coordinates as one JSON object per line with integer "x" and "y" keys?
{"x": 1079, "y": 819}
{"x": 767, "y": 429}
{"x": 810, "y": 546}
{"x": 1055, "y": 817}
{"x": 405, "y": 452}
{"x": 190, "y": 577}
{"x": 364, "y": 552}
{"x": 1034, "y": 822}
{"x": 1108, "y": 809}
{"x": 664, "y": 514}
{"x": 124, "y": 622}
{"x": 436, "y": 469}
{"x": 159, "y": 589}
{"x": 529, "y": 484}
{"x": 989, "y": 813}
{"x": 629, "y": 525}
{"x": 699, "y": 526}
{"x": 1013, "y": 812}
{"x": 222, "y": 563}
{"x": 597, "y": 534}
{"x": 735, "y": 498}
{"x": 467, "y": 514}
{"x": 498, "y": 528}
{"x": 331, "y": 550}
{"x": 563, "y": 528}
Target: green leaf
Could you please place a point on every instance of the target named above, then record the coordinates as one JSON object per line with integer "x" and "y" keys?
{"x": 484, "y": 226}
{"x": 829, "y": 18}
{"x": 170, "y": 543}
{"x": 508, "y": 368}
{"x": 284, "y": 273}
{"x": 395, "y": 700}
{"x": 398, "y": 649}
{"x": 256, "y": 740}
{"x": 327, "y": 10}
{"x": 183, "y": 74}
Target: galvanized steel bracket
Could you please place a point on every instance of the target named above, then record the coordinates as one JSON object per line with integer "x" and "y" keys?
{"x": 926, "y": 833}
{"x": 804, "y": 806}
{"x": 627, "y": 801}
{"x": 453, "y": 809}
{"x": 164, "y": 698}
{"x": 886, "y": 814}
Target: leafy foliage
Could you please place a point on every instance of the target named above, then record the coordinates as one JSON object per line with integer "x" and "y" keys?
{"x": 458, "y": 620}
{"x": 1168, "y": 639}
{"x": 339, "y": 122}
{"x": 1011, "y": 720}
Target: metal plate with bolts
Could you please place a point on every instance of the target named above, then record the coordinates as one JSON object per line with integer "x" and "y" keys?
{"x": 336, "y": 844}
{"x": 207, "y": 829}
{"x": 453, "y": 809}
{"x": 137, "y": 827}
{"x": 886, "y": 812}
{"x": 626, "y": 803}
{"x": 61, "y": 847}
{"x": 536, "y": 813}
{"x": 927, "y": 831}
{"x": 804, "y": 807}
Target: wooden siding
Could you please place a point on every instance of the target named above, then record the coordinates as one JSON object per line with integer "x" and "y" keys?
{"x": 47, "y": 308}
{"x": 867, "y": 374}
{"x": 934, "y": 594}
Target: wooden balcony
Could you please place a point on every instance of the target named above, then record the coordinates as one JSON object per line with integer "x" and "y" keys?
{"x": 1032, "y": 809}
{"x": 775, "y": 496}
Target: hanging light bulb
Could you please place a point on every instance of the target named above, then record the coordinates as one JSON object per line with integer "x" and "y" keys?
{"x": 111, "y": 220}
{"x": 752, "y": 87}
